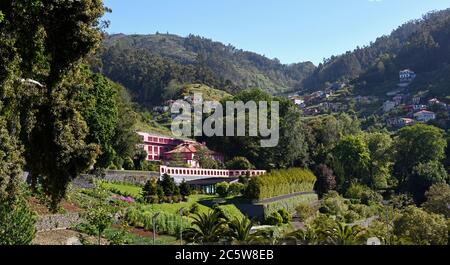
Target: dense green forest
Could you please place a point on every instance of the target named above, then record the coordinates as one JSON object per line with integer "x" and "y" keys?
{"x": 146, "y": 64}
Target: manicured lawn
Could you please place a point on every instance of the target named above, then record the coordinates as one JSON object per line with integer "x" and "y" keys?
{"x": 134, "y": 191}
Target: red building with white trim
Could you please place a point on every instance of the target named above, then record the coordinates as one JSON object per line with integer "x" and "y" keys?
{"x": 162, "y": 148}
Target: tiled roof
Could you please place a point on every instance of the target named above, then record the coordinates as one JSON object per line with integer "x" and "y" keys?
{"x": 424, "y": 112}
{"x": 185, "y": 148}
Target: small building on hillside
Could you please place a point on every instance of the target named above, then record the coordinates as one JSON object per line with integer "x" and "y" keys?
{"x": 400, "y": 122}
{"x": 297, "y": 101}
{"x": 437, "y": 102}
{"x": 419, "y": 107}
{"x": 433, "y": 101}
{"x": 389, "y": 105}
{"x": 425, "y": 116}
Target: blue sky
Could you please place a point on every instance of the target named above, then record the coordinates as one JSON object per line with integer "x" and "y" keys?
{"x": 290, "y": 30}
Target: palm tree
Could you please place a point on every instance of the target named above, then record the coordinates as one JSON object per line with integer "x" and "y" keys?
{"x": 303, "y": 237}
{"x": 240, "y": 231}
{"x": 271, "y": 236}
{"x": 342, "y": 234}
{"x": 207, "y": 228}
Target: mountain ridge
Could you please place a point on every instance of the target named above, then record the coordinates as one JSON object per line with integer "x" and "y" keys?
{"x": 150, "y": 65}
{"x": 193, "y": 59}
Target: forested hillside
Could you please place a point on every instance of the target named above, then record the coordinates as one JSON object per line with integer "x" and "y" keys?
{"x": 146, "y": 64}
{"x": 421, "y": 45}
{"x": 149, "y": 66}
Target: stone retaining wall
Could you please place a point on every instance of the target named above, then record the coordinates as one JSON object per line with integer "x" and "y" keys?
{"x": 133, "y": 177}
{"x": 57, "y": 221}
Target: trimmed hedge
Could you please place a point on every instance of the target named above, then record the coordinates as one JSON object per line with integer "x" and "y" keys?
{"x": 280, "y": 182}
{"x": 289, "y": 204}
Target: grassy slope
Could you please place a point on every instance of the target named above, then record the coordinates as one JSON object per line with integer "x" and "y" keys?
{"x": 134, "y": 191}
{"x": 153, "y": 128}
{"x": 209, "y": 94}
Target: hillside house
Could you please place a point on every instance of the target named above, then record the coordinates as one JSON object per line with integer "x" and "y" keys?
{"x": 416, "y": 100}
{"x": 389, "y": 105}
{"x": 399, "y": 122}
{"x": 433, "y": 101}
{"x": 297, "y": 101}
{"x": 436, "y": 102}
{"x": 419, "y": 107}
{"x": 425, "y": 116}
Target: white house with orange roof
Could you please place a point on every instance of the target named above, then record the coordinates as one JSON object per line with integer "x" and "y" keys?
{"x": 425, "y": 116}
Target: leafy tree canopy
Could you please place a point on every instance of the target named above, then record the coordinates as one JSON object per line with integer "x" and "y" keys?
{"x": 414, "y": 145}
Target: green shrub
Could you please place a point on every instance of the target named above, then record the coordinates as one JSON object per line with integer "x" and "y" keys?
{"x": 351, "y": 216}
{"x": 168, "y": 186}
{"x": 322, "y": 223}
{"x": 128, "y": 164}
{"x": 421, "y": 228}
{"x": 112, "y": 167}
{"x": 117, "y": 237}
{"x": 333, "y": 205}
{"x": 236, "y": 189}
{"x": 150, "y": 190}
{"x": 401, "y": 201}
{"x": 438, "y": 199}
{"x": 222, "y": 189}
{"x": 305, "y": 211}
{"x": 150, "y": 166}
{"x": 274, "y": 219}
{"x": 363, "y": 193}
{"x": 363, "y": 210}
{"x": 280, "y": 182}
{"x": 16, "y": 223}
{"x": 185, "y": 189}
{"x": 289, "y": 203}
{"x": 240, "y": 163}
{"x": 287, "y": 217}
{"x": 195, "y": 208}
{"x": 99, "y": 219}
